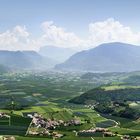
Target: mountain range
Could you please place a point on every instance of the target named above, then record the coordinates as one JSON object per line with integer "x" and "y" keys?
{"x": 109, "y": 57}
{"x": 24, "y": 60}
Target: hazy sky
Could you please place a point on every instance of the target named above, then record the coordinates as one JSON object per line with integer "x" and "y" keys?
{"x": 30, "y": 24}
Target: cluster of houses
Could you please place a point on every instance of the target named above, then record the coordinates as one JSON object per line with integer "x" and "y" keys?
{"x": 104, "y": 132}
{"x": 4, "y": 115}
{"x": 46, "y": 132}
{"x": 92, "y": 106}
{"x": 92, "y": 132}
{"x": 40, "y": 122}
{"x": 7, "y": 138}
{"x": 127, "y": 137}
{"x": 42, "y": 127}
{"x": 45, "y": 125}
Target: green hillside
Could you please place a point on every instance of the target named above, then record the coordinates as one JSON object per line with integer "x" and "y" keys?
{"x": 121, "y": 101}
{"x": 109, "y": 93}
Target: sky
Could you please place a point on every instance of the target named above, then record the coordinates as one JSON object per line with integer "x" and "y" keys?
{"x": 76, "y": 24}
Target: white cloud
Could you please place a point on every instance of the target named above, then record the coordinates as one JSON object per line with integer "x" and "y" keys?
{"x": 16, "y": 39}
{"x": 54, "y": 35}
{"x": 106, "y": 31}
{"x": 21, "y": 31}
{"x": 109, "y": 30}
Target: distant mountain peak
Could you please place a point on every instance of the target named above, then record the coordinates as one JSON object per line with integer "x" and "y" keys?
{"x": 24, "y": 60}
{"x": 108, "y": 57}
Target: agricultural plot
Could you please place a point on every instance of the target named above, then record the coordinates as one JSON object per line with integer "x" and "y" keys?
{"x": 106, "y": 124}
{"x": 15, "y": 125}
{"x": 4, "y": 121}
{"x": 48, "y": 95}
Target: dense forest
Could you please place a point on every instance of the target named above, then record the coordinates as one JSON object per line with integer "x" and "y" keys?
{"x": 113, "y": 100}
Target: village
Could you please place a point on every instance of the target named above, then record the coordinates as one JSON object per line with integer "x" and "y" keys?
{"x": 48, "y": 128}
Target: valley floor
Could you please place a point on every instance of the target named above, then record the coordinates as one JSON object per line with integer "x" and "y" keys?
{"x": 43, "y": 97}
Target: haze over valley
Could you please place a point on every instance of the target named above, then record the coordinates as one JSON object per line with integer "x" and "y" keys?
{"x": 69, "y": 70}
